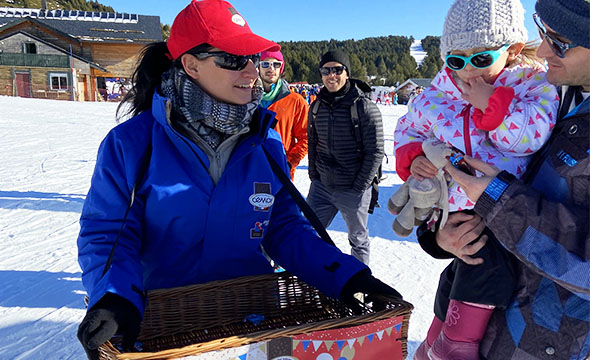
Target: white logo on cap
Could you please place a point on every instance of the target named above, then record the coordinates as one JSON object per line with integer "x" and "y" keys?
{"x": 238, "y": 20}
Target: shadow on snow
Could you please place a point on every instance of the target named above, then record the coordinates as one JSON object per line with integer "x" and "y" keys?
{"x": 41, "y": 289}
{"x": 34, "y": 200}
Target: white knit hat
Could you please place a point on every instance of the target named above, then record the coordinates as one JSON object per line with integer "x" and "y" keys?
{"x": 483, "y": 23}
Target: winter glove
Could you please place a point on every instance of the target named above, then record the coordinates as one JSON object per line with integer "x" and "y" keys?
{"x": 365, "y": 283}
{"x": 111, "y": 314}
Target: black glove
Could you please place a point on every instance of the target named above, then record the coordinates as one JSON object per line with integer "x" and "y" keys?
{"x": 370, "y": 286}
{"x": 111, "y": 314}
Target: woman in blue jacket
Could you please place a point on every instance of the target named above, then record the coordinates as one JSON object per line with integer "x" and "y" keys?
{"x": 184, "y": 188}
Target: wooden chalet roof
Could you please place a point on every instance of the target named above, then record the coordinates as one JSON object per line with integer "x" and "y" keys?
{"x": 90, "y": 26}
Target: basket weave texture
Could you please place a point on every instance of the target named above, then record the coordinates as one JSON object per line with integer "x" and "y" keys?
{"x": 195, "y": 319}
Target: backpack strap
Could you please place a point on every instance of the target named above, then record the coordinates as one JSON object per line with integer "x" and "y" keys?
{"x": 356, "y": 122}
{"x": 296, "y": 195}
{"x": 143, "y": 167}
{"x": 315, "y": 106}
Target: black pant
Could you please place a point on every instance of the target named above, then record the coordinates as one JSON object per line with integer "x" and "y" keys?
{"x": 491, "y": 283}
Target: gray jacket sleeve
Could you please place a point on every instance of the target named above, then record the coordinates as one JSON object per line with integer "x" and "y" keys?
{"x": 551, "y": 238}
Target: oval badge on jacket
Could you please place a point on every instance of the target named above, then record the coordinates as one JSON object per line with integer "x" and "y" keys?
{"x": 262, "y": 201}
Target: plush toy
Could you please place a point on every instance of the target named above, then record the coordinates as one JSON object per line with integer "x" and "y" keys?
{"x": 427, "y": 200}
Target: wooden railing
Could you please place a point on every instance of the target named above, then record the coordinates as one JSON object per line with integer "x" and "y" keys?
{"x": 36, "y": 60}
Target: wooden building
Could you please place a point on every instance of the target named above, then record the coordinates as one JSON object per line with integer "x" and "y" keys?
{"x": 69, "y": 54}
{"x": 405, "y": 89}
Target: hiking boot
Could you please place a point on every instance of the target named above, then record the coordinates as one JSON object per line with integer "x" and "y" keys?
{"x": 444, "y": 348}
{"x": 422, "y": 352}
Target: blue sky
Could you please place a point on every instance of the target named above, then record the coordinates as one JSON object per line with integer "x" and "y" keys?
{"x": 284, "y": 20}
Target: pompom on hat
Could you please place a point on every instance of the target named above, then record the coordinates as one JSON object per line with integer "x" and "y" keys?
{"x": 569, "y": 18}
{"x": 267, "y": 54}
{"x": 218, "y": 24}
{"x": 483, "y": 24}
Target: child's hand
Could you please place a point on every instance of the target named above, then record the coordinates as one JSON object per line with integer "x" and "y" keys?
{"x": 477, "y": 92}
{"x": 472, "y": 185}
{"x": 422, "y": 168}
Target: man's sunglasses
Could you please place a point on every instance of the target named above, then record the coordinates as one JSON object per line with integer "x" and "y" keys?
{"x": 274, "y": 64}
{"x": 327, "y": 70}
{"x": 480, "y": 60}
{"x": 229, "y": 61}
{"x": 557, "y": 46}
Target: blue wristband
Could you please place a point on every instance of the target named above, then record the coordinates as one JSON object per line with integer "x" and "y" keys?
{"x": 495, "y": 188}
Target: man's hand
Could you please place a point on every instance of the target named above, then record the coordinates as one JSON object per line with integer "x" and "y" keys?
{"x": 477, "y": 92}
{"x": 459, "y": 231}
{"x": 422, "y": 168}
{"x": 472, "y": 185}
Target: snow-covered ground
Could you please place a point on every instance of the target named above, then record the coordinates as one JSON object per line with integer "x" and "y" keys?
{"x": 417, "y": 52}
{"x": 48, "y": 154}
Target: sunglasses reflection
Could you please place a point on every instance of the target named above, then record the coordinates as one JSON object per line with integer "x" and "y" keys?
{"x": 274, "y": 64}
{"x": 229, "y": 61}
{"x": 327, "y": 70}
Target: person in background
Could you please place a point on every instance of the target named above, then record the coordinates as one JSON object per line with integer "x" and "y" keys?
{"x": 194, "y": 158}
{"x": 542, "y": 219}
{"x": 291, "y": 109}
{"x": 417, "y": 91}
{"x": 342, "y": 166}
{"x": 491, "y": 101}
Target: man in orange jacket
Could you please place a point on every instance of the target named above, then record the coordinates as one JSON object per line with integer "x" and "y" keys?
{"x": 291, "y": 108}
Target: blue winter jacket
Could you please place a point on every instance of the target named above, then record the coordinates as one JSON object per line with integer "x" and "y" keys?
{"x": 183, "y": 229}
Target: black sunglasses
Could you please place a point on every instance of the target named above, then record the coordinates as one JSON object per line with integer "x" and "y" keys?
{"x": 327, "y": 70}
{"x": 557, "y": 46}
{"x": 229, "y": 61}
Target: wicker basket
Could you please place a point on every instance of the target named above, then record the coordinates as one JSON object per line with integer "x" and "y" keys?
{"x": 207, "y": 317}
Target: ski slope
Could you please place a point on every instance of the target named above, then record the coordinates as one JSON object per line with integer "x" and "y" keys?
{"x": 48, "y": 155}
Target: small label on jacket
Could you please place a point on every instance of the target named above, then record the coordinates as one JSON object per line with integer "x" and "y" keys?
{"x": 262, "y": 199}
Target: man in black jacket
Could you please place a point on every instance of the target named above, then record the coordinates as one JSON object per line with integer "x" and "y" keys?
{"x": 344, "y": 155}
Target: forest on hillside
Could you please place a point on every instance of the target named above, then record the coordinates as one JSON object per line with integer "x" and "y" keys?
{"x": 384, "y": 60}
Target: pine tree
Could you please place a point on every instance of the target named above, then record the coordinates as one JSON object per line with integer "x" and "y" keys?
{"x": 357, "y": 69}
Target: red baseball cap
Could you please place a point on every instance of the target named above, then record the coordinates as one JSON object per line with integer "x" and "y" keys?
{"x": 218, "y": 24}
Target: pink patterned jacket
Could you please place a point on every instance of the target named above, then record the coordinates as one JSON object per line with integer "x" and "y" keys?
{"x": 517, "y": 122}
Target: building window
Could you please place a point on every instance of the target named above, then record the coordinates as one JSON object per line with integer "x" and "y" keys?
{"x": 30, "y": 48}
{"x": 58, "y": 81}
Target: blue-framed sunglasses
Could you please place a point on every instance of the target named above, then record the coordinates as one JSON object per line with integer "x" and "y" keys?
{"x": 229, "y": 61}
{"x": 557, "y": 46}
{"x": 480, "y": 60}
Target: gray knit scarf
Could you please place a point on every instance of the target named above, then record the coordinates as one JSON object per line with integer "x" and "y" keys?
{"x": 201, "y": 115}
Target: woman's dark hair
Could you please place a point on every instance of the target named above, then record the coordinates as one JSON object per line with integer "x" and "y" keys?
{"x": 153, "y": 61}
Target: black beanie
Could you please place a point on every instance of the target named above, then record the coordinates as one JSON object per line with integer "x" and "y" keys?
{"x": 336, "y": 55}
{"x": 570, "y": 18}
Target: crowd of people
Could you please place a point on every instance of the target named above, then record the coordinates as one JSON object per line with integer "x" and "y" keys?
{"x": 308, "y": 91}
{"x": 215, "y": 126}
